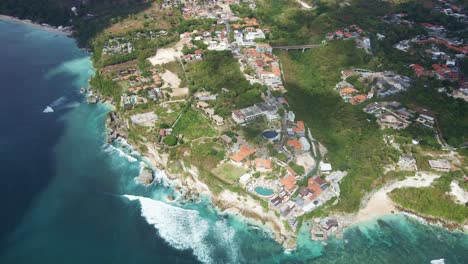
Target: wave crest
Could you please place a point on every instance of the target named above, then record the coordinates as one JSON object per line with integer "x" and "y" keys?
{"x": 186, "y": 229}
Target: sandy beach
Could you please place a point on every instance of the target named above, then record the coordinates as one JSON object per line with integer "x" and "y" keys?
{"x": 35, "y": 25}
{"x": 379, "y": 203}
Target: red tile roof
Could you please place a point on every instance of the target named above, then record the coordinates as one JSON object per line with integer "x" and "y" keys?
{"x": 300, "y": 127}
{"x": 289, "y": 182}
{"x": 243, "y": 153}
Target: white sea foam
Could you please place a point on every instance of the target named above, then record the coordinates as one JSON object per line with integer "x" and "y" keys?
{"x": 80, "y": 68}
{"x": 48, "y": 109}
{"x": 59, "y": 101}
{"x": 71, "y": 105}
{"x": 186, "y": 229}
{"x": 111, "y": 149}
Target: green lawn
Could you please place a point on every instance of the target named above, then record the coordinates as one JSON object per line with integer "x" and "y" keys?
{"x": 229, "y": 172}
{"x": 193, "y": 125}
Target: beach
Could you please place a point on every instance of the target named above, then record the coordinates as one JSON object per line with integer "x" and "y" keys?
{"x": 379, "y": 203}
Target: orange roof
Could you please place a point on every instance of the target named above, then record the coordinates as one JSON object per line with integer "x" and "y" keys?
{"x": 312, "y": 184}
{"x": 263, "y": 163}
{"x": 156, "y": 79}
{"x": 276, "y": 70}
{"x": 289, "y": 182}
{"x": 295, "y": 144}
{"x": 358, "y": 99}
{"x": 299, "y": 128}
{"x": 348, "y": 90}
{"x": 243, "y": 153}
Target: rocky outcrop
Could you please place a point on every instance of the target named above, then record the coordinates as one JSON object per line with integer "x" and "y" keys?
{"x": 145, "y": 177}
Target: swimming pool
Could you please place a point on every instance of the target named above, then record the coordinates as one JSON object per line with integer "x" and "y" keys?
{"x": 263, "y": 191}
{"x": 271, "y": 135}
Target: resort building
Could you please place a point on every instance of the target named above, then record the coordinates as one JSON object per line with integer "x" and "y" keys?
{"x": 289, "y": 183}
{"x": 263, "y": 164}
{"x": 325, "y": 168}
{"x": 243, "y": 153}
{"x": 299, "y": 129}
{"x": 244, "y": 179}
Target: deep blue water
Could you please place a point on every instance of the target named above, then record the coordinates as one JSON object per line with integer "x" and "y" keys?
{"x": 64, "y": 195}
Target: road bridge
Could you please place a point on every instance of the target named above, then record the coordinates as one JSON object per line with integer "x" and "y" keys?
{"x": 297, "y": 47}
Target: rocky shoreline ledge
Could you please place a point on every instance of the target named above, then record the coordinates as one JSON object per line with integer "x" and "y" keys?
{"x": 227, "y": 202}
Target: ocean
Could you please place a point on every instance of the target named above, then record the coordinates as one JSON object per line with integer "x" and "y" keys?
{"x": 69, "y": 197}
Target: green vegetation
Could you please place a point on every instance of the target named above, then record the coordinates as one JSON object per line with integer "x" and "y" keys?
{"x": 106, "y": 87}
{"x": 299, "y": 170}
{"x": 170, "y": 140}
{"x": 193, "y": 125}
{"x": 229, "y": 172}
{"x": 354, "y": 144}
{"x": 433, "y": 200}
{"x": 451, "y": 113}
{"x": 220, "y": 70}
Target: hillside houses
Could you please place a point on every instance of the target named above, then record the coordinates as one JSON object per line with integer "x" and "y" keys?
{"x": 116, "y": 46}
{"x": 352, "y": 32}
{"x": 248, "y": 36}
{"x": 390, "y": 114}
{"x": 380, "y": 83}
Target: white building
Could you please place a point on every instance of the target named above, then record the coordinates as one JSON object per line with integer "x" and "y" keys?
{"x": 325, "y": 167}
{"x": 440, "y": 164}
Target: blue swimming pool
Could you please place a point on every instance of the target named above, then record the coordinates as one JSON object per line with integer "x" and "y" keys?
{"x": 272, "y": 135}
{"x": 263, "y": 191}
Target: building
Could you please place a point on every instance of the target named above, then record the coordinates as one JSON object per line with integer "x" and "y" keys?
{"x": 426, "y": 120}
{"x": 218, "y": 120}
{"x": 263, "y": 164}
{"x": 226, "y": 139}
{"x": 289, "y": 183}
{"x": 202, "y": 105}
{"x": 267, "y": 109}
{"x": 299, "y": 129}
{"x": 243, "y": 153}
{"x": 325, "y": 168}
{"x": 440, "y": 164}
{"x": 264, "y": 48}
{"x": 295, "y": 144}
{"x": 244, "y": 179}
{"x": 407, "y": 162}
{"x": 246, "y": 114}
{"x": 209, "y": 111}
{"x": 304, "y": 143}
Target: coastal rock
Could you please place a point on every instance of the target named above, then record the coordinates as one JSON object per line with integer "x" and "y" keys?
{"x": 146, "y": 177}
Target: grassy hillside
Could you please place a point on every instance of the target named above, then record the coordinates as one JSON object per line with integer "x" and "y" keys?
{"x": 354, "y": 144}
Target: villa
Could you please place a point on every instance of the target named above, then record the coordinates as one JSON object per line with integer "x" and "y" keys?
{"x": 289, "y": 183}
{"x": 243, "y": 153}
{"x": 263, "y": 164}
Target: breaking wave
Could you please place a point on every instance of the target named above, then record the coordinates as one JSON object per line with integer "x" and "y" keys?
{"x": 58, "y": 102}
{"x": 113, "y": 150}
{"x": 185, "y": 229}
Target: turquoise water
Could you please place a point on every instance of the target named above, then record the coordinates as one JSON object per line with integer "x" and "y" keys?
{"x": 263, "y": 191}
{"x": 85, "y": 207}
